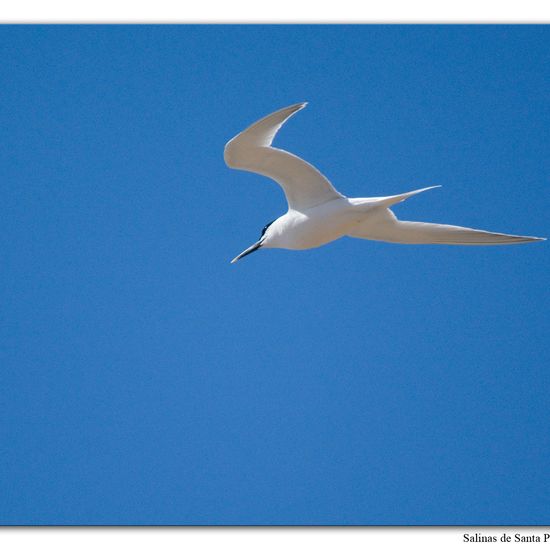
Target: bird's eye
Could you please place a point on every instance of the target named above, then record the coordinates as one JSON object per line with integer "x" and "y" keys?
{"x": 265, "y": 229}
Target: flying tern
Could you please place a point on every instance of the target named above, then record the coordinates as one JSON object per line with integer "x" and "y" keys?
{"x": 318, "y": 214}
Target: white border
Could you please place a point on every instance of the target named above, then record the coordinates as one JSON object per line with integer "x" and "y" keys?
{"x": 273, "y": 538}
{"x": 279, "y": 11}
{"x": 248, "y": 11}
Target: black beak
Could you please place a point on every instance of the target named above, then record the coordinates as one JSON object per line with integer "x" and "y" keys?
{"x": 249, "y": 250}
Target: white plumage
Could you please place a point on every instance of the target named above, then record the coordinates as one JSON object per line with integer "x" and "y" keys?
{"x": 318, "y": 214}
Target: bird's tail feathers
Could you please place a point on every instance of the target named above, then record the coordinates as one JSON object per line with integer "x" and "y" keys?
{"x": 366, "y": 204}
{"x": 394, "y": 199}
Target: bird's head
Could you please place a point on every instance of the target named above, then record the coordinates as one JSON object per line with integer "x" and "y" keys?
{"x": 257, "y": 245}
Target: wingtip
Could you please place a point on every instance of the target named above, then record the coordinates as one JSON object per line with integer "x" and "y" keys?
{"x": 298, "y": 106}
{"x": 521, "y": 239}
{"x": 531, "y": 239}
{"x": 427, "y": 188}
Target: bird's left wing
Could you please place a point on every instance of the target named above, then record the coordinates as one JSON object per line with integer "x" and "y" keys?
{"x": 383, "y": 225}
{"x": 303, "y": 185}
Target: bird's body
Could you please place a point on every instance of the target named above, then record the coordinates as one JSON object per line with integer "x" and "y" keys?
{"x": 314, "y": 227}
{"x": 318, "y": 214}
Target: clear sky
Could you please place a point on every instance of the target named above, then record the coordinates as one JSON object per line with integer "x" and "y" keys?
{"x": 145, "y": 380}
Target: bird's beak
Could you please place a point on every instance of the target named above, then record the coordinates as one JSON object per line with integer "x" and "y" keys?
{"x": 249, "y": 250}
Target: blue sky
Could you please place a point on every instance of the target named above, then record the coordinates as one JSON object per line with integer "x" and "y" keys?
{"x": 145, "y": 380}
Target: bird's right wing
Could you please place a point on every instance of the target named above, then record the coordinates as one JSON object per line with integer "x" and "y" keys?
{"x": 383, "y": 225}
{"x": 303, "y": 185}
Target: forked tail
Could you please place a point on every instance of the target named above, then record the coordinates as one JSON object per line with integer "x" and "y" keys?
{"x": 394, "y": 199}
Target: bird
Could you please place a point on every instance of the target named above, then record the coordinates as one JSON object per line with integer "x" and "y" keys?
{"x": 319, "y": 214}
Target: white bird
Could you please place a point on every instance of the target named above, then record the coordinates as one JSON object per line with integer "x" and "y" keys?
{"x": 318, "y": 214}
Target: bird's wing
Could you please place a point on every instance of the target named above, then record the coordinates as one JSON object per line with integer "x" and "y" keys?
{"x": 383, "y": 225}
{"x": 251, "y": 150}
